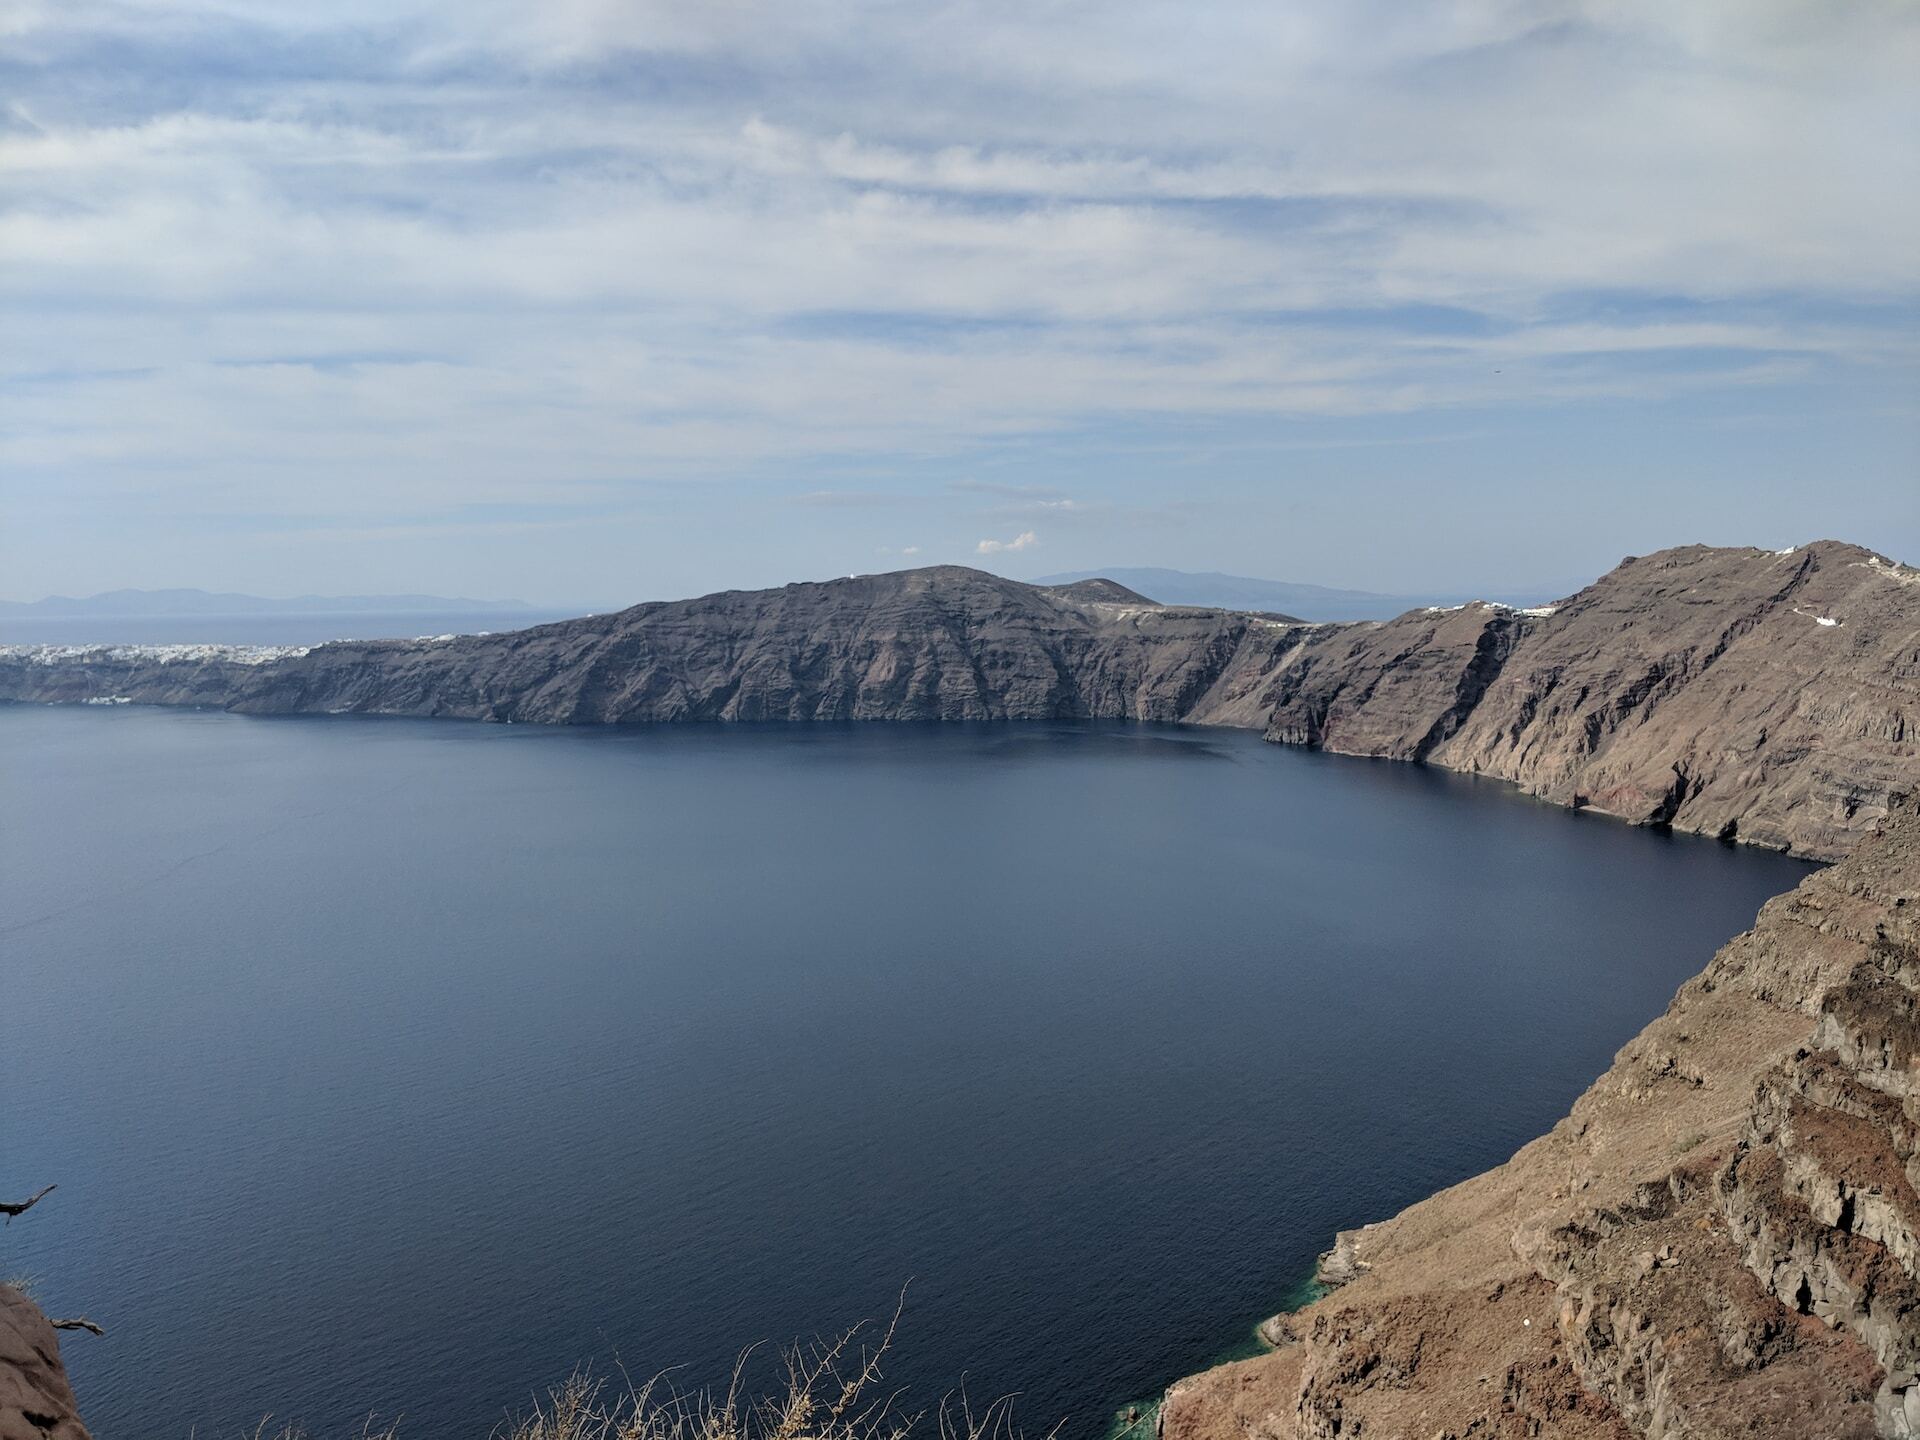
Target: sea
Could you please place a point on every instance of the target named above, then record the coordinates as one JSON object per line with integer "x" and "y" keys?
{"x": 394, "y": 1069}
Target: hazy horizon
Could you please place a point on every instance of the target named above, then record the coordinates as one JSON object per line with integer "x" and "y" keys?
{"x": 548, "y": 604}
{"x": 592, "y": 303}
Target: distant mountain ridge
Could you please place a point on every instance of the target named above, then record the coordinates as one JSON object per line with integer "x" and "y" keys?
{"x": 118, "y": 603}
{"x": 1309, "y": 602}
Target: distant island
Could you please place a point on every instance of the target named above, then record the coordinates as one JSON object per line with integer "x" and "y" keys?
{"x": 155, "y": 603}
{"x": 1308, "y": 602}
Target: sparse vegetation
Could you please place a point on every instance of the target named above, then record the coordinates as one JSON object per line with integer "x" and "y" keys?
{"x": 831, "y": 1391}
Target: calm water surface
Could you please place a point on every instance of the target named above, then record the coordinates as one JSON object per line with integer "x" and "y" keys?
{"x": 399, "y": 1067}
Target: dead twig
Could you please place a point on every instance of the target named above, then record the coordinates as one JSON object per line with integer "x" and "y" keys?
{"x": 80, "y": 1323}
{"x": 11, "y": 1208}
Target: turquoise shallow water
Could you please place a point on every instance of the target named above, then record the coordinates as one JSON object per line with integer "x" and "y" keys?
{"x": 397, "y": 1067}
{"x": 1138, "y": 1419}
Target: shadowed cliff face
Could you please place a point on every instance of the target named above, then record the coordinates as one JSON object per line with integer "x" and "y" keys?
{"x": 1768, "y": 697}
{"x": 1719, "y": 1240}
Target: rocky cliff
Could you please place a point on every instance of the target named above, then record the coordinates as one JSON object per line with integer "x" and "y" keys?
{"x": 35, "y": 1401}
{"x": 943, "y": 643}
{"x": 1768, "y": 697}
{"x": 1722, "y": 1238}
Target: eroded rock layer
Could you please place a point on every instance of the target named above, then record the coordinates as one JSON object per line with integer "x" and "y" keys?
{"x": 1721, "y": 1239}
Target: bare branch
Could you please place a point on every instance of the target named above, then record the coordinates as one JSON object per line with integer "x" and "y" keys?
{"x": 870, "y": 1368}
{"x": 10, "y": 1208}
{"x": 82, "y": 1323}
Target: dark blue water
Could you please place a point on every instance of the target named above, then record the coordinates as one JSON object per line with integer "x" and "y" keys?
{"x": 398, "y": 1067}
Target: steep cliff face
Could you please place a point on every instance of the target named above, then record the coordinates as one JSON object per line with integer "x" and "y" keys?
{"x": 936, "y": 644}
{"x": 1721, "y": 1239}
{"x": 1773, "y": 698}
{"x": 35, "y": 1401}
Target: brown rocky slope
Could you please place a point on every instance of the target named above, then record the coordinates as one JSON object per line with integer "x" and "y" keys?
{"x": 1722, "y": 1238}
{"x": 1769, "y": 697}
{"x": 36, "y": 1402}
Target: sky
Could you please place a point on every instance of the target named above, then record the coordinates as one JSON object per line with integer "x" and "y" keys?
{"x": 595, "y": 301}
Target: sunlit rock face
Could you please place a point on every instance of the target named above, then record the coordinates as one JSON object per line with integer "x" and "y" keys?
{"x": 35, "y": 1400}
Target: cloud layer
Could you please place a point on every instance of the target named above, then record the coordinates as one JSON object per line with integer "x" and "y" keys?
{"x": 439, "y": 269}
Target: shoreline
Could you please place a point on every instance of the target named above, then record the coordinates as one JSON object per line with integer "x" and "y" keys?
{"x": 1139, "y": 1419}
{"x": 1607, "y": 1274}
{"x": 1580, "y": 806}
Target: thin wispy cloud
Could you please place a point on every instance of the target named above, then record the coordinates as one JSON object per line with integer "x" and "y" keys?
{"x": 851, "y": 499}
{"x": 1025, "y": 540}
{"x": 1025, "y": 494}
{"x": 383, "y": 259}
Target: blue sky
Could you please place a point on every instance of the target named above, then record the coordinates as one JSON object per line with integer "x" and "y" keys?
{"x": 597, "y": 300}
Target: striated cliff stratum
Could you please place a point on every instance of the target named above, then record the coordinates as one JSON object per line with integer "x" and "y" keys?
{"x": 1722, "y": 1239}
{"x": 1770, "y": 697}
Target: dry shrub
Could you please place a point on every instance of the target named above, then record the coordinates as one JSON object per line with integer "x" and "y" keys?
{"x": 831, "y": 1391}
{"x": 294, "y": 1432}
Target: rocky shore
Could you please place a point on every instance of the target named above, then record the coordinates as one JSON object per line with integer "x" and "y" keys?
{"x": 1720, "y": 1239}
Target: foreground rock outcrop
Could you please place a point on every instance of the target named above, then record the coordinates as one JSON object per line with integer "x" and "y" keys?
{"x": 1722, "y": 1238}
{"x": 36, "y": 1403}
{"x": 1768, "y": 697}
